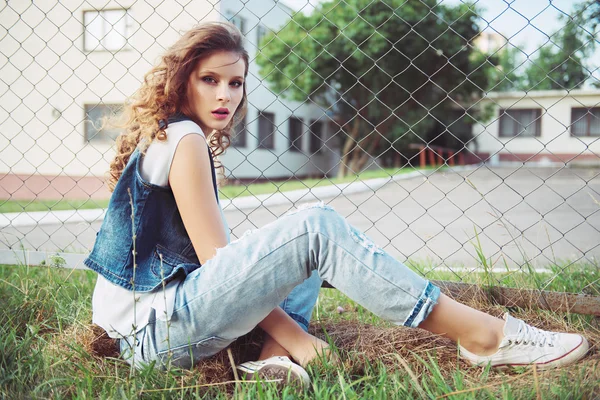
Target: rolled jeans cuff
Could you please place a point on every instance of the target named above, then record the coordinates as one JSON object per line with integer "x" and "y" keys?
{"x": 424, "y": 305}
{"x": 303, "y": 322}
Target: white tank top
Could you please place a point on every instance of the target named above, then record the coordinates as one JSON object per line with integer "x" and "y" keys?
{"x": 112, "y": 305}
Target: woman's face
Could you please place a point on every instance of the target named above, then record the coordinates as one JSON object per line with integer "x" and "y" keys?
{"x": 215, "y": 89}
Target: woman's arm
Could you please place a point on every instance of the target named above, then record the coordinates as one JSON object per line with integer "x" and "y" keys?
{"x": 190, "y": 178}
{"x": 191, "y": 181}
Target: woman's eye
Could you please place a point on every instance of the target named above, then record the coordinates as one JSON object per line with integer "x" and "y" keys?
{"x": 208, "y": 79}
{"x": 237, "y": 83}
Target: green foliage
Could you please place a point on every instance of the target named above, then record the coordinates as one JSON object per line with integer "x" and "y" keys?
{"x": 37, "y": 303}
{"x": 507, "y": 74}
{"x": 559, "y": 65}
{"x": 590, "y": 11}
{"x": 562, "y": 62}
{"x": 10, "y": 206}
{"x": 397, "y": 67}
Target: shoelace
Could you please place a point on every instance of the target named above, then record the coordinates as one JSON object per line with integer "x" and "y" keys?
{"x": 528, "y": 335}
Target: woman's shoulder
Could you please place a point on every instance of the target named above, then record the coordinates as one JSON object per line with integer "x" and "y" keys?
{"x": 181, "y": 128}
{"x": 156, "y": 164}
{"x": 175, "y": 131}
{"x": 179, "y": 125}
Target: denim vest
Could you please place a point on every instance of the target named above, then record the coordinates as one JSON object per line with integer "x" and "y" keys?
{"x": 155, "y": 230}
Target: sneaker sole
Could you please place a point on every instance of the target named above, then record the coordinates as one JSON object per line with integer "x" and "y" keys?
{"x": 284, "y": 374}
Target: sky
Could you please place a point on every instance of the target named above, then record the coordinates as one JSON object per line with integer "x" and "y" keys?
{"x": 526, "y": 23}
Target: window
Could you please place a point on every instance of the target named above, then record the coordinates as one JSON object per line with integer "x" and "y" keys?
{"x": 239, "y": 135}
{"x": 106, "y": 29}
{"x": 261, "y": 31}
{"x": 295, "y": 134}
{"x": 315, "y": 139}
{"x": 585, "y": 121}
{"x": 95, "y": 119}
{"x": 266, "y": 130}
{"x": 522, "y": 123}
{"x": 237, "y": 20}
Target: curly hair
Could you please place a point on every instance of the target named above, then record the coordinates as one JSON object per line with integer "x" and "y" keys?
{"x": 163, "y": 94}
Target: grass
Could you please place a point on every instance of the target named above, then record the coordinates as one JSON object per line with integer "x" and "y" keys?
{"x": 45, "y": 351}
{"x": 14, "y": 206}
{"x": 226, "y": 192}
{"x": 563, "y": 276}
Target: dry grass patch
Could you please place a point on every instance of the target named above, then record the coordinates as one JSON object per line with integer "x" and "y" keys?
{"x": 404, "y": 348}
{"x": 363, "y": 347}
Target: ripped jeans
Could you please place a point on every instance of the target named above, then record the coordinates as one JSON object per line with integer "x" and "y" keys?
{"x": 236, "y": 289}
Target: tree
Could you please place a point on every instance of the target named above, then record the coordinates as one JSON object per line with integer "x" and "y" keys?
{"x": 387, "y": 69}
{"x": 561, "y": 63}
{"x": 590, "y": 11}
{"x": 507, "y": 72}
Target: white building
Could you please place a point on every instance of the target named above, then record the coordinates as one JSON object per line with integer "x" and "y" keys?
{"x": 489, "y": 41}
{"x": 541, "y": 126}
{"x": 62, "y": 63}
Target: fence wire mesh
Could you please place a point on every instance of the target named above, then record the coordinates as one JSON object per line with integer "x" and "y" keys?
{"x": 464, "y": 141}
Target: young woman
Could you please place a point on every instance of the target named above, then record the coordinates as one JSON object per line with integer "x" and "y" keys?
{"x": 174, "y": 289}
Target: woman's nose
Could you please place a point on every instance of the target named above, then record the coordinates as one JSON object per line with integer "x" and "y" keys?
{"x": 223, "y": 93}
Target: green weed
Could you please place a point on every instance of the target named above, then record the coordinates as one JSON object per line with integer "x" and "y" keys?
{"x": 44, "y": 353}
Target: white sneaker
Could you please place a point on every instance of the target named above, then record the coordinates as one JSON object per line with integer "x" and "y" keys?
{"x": 278, "y": 367}
{"x": 525, "y": 345}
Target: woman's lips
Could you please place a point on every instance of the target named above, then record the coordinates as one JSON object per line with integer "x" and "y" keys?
{"x": 220, "y": 115}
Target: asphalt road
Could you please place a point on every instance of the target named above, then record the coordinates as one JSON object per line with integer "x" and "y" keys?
{"x": 537, "y": 214}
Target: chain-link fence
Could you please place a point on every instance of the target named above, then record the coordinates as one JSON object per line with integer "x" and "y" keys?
{"x": 464, "y": 141}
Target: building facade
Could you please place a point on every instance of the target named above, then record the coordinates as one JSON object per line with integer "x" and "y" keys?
{"x": 552, "y": 126}
{"x": 65, "y": 65}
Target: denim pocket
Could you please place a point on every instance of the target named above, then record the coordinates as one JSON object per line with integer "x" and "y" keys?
{"x": 187, "y": 355}
{"x": 170, "y": 260}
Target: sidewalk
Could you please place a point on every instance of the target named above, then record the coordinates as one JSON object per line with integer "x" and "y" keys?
{"x": 420, "y": 217}
{"x": 290, "y": 198}
{"x": 34, "y": 187}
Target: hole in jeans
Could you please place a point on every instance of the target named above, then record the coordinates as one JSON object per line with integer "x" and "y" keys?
{"x": 247, "y": 233}
{"x": 364, "y": 241}
{"x": 308, "y": 206}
